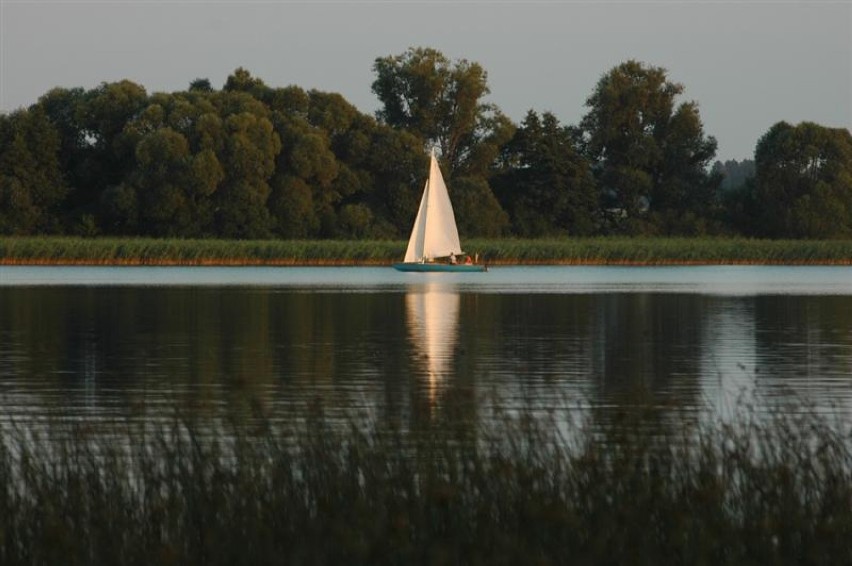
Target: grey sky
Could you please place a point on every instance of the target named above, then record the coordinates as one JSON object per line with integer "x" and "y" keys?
{"x": 748, "y": 64}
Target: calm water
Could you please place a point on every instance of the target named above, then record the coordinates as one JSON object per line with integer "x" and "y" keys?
{"x": 105, "y": 343}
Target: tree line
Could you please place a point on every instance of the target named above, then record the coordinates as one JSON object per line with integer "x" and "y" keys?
{"x": 252, "y": 161}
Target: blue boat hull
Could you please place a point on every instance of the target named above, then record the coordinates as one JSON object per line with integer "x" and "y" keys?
{"x": 439, "y": 267}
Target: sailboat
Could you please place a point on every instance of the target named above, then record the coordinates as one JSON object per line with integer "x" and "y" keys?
{"x": 434, "y": 244}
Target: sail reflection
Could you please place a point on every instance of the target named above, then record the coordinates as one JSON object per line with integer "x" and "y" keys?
{"x": 432, "y": 313}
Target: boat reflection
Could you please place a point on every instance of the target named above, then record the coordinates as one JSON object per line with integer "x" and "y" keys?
{"x": 432, "y": 314}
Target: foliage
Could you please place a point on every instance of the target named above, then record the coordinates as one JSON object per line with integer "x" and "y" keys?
{"x": 803, "y": 183}
{"x": 544, "y": 182}
{"x": 441, "y": 102}
{"x": 249, "y": 490}
{"x": 650, "y": 156}
{"x": 31, "y": 182}
{"x": 479, "y": 213}
{"x": 254, "y": 161}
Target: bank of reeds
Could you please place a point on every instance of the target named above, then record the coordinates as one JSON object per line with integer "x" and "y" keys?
{"x": 579, "y": 251}
{"x": 149, "y": 251}
{"x": 664, "y": 251}
{"x": 759, "y": 491}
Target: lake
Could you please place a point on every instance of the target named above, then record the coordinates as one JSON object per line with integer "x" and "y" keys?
{"x": 104, "y": 343}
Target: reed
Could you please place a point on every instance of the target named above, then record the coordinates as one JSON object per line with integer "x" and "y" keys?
{"x": 146, "y": 251}
{"x": 617, "y": 251}
{"x": 758, "y": 491}
{"x": 665, "y": 251}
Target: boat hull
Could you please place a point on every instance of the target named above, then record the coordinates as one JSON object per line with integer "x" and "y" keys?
{"x": 439, "y": 267}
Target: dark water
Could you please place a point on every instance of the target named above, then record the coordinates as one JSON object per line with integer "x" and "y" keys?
{"x": 104, "y": 343}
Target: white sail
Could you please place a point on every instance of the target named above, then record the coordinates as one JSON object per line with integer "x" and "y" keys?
{"x": 434, "y": 233}
{"x": 414, "y": 253}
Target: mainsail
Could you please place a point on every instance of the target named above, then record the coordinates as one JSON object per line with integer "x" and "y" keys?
{"x": 435, "y": 233}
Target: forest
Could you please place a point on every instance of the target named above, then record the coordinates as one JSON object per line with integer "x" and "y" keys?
{"x": 250, "y": 161}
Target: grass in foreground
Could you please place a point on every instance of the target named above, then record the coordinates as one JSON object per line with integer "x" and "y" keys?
{"x": 773, "y": 493}
{"x": 145, "y": 251}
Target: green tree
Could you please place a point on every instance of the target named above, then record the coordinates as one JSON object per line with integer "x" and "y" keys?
{"x": 62, "y": 109}
{"x": 360, "y": 210}
{"x": 31, "y": 183}
{"x": 163, "y": 160}
{"x": 648, "y": 154}
{"x": 200, "y": 85}
{"x": 422, "y": 92}
{"x": 803, "y": 182}
{"x": 545, "y": 184}
{"x": 242, "y": 81}
{"x": 292, "y": 207}
{"x": 356, "y": 220}
{"x": 248, "y": 159}
{"x": 178, "y": 140}
{"x": 303, "y": 197}
{"x": 478, "y": 213}
{"x": 107, "y": 151}
{"x": 398, "y": 168}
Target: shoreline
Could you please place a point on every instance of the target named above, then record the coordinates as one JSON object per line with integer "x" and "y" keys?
{"x": 616, "y": 251}
{"x": 292, "y": 262}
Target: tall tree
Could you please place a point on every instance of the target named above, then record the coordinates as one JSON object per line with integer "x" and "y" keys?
{"x": 803, "y": 182}
{"x": 107, "y": 150}
{"x": 478, "y": 211}
{"x": 398, "y": 166}
{"x": 200, "y": 85}
{"x": 303, "y": 197}
{"x": 441, "y": 102}
{"x": 648, "y": 152}
{"x": 178, "y": 139}
{"x": 242, "y": 81}
{"x": 545, "y": 184}
{"x": 251, "y": 147}
{"x": 61, "y": 107}
{"x": 31, "y": 183}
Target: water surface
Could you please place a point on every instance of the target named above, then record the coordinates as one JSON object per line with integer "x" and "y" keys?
{"x": 136, "y": 342}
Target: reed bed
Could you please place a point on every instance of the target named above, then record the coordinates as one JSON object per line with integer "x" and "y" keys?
{"x": 663, "y": 251}
{"x": 149, "y": 251}
{"x": 570, "y": 251}
{"x": 757, "y": 491}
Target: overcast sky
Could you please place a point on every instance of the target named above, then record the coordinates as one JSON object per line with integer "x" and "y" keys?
{"x": 748, "y": 64}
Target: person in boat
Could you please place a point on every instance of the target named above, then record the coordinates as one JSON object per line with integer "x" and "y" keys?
{"x": 468, "y": 261}
{"x": 452, "y": 258}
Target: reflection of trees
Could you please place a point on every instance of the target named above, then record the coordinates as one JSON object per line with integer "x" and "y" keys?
{"x": 145, "y": 347}
{"x": 648, "y": 350}
{"x": 650, "y": 342}
{"x": 121, "y": 349}
{"x": 540, "y": 344}
{"x": 111, "y": 350}
{"x": 345, "y": 350}
{"x": 803, "y": 348}
{"x": 728, "y": 353}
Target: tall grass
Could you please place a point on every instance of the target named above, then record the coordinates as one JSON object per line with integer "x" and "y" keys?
{"x": 160, "y": 251}
{"x": 664, "y": 250}
{"x": 142, "y": 251}
{"x": 758, "y": 491}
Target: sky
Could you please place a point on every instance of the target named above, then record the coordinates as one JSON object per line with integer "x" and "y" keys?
{"x": 748, "y": 64}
